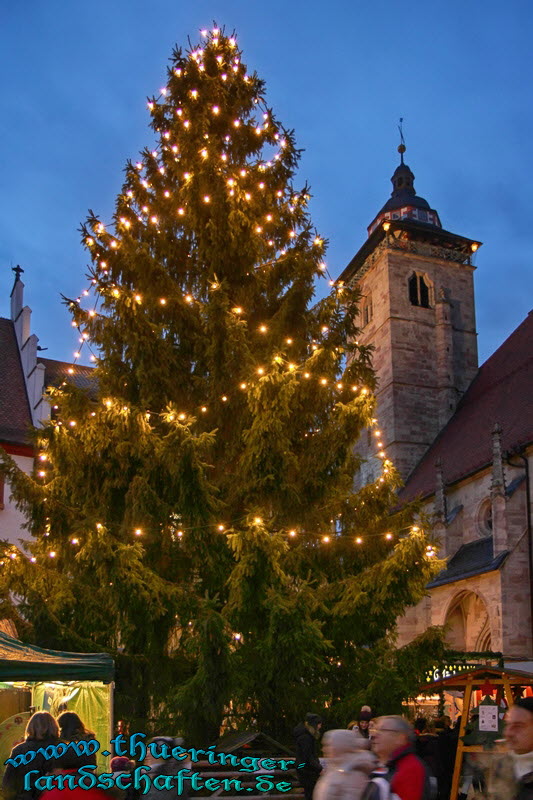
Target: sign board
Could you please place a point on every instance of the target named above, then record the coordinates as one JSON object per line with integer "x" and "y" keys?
{"x": 488, "y": 718}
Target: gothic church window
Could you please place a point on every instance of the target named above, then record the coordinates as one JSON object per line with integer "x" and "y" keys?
{"x": 484, "y": 518}
{"x": 420, "y": 290}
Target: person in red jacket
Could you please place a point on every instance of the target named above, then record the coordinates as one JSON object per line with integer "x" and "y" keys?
{"x": 393, "y": 741}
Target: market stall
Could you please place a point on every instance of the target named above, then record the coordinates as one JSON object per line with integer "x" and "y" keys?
{"x": 33, "y": 679}
{"x": 487, "y": 693}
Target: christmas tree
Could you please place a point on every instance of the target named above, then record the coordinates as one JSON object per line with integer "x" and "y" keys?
{"x": 195, "y": 513}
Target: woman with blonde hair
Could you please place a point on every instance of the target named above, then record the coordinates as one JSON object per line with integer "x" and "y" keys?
{"x": 41, "y": 731}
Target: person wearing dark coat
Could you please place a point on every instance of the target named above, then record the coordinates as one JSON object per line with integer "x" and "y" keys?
{"x": 308, "y": 766}
{"x": 41, "y": 731}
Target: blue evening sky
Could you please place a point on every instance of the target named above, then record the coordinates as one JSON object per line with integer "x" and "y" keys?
{"x": 75, "y": 77}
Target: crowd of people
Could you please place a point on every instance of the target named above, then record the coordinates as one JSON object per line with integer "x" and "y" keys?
{"x": 387, "y": 758}
{"x": 44, "y": 731}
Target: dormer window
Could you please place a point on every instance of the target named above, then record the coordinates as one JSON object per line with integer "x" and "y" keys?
{"x": 420, "y": 290}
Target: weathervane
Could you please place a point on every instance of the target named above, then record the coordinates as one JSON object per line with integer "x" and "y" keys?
{"x": 401, "y": 146}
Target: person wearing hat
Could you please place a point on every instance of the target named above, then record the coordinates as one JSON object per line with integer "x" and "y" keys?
{"x": 362, "y": 724}
{"x": 308, "y": 766}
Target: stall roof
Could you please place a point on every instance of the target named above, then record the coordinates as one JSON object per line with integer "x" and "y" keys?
{"x": 26, "y": 662}
{"x": 458, "y": 682}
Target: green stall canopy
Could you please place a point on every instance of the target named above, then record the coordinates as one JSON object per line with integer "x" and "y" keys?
{"x": 26, "y": 662}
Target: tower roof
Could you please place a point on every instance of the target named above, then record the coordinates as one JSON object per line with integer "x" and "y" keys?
{"x": 404, "y": 203}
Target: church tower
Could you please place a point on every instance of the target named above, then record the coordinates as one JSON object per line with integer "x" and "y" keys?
{"x": 417, "y": 310}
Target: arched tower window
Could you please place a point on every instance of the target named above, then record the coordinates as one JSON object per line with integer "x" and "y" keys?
{"x": 366, "y": 311}
{"x": 420, "y": 290}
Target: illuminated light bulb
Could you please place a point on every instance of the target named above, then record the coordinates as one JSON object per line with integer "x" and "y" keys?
{"x": 292, "y": 367}
{"x": 292, "y": 533}
{"x": 269, "y": 217}
{"x": 221, "y": 527}
{"x": 171, "y": 417}
{"x": 236, "y": 122}
{"x": 182, "y": 416}
{"x": 381, "y": 454}
{"x": 358, "y": 540}
{"x": 258, "y": 229}
{"x": 339, "y": 386}
{"x": 174, "y": 148}
{"x": 204, "y": 153}
{"x": 43, "y": 457}
{"x": 388, "y": 536}
{"x": 260, "y": 371}
{"x": 145, "y": 209}
{"x": 258, "y": 521}
{"x": 179, "y": 112}
{"x": 386, "y": 226}
{"x": 224, "y": 76}
{"x": 138, "y": 298}
{"x": 115, "y": 293}
{"x": 364, "y": 391}
{"x": 74, "y": 541}
{"x": 164, "y": 90}
{"x": 188, "y": 298}
{"x": 114, "y": 244}
{"x": 292, "y": 234}
{"x": 194, "y": 93}
{"x": 289, "y": 340}
{"x": 243, "y": 385}
{"x": 204, "y": 32}
{"x": 415, "y": 528}
{"x": 377, "y": 433}
{"x": 317, "y": 240}
{"x": 326, "y": 539}
{"x": 154, "y": 153}
{"x": 181, "y": 211}
{"x": 207, "y": 199}
{"x": 224, "y": 157}
{"x": 231, "y": 42}
{"x": 354, "y": 388}
{"x": 167, "y": 193}
{"x": 77, "y": 354}
{"x": 380, "y": 444}
{"x": 42, "y": 473}
{"x": 237, "y": 636}
{"x": 33, "y": 559}
{"x": 474, "y": 246}
{"x": 186, "y": 123}
{"x": 72, "y": 423}
{"x": 243, "y": 173}
{"x": 215, "y": 110}
{"x": 220, "y": 59}
{"x": 231, "y": 182}
{"x": 108, "y": 403}
{"x": 248, "y": 196}
{"x": 162, "y": 301}
{"x": 89, "y": 241}
{"x": 92, "y": 313}
{"x": 179, "y": 533}
{"x": 307, "y": 374}
{"x": 263, "y": 329}
{"x": 154, "y": 220}
{"x": 224, "y": 398}
{"x": 237, "y": 310}
{"x": 52, "y": 553}
{"x": 85, "y": 293}
{"x": 138, "y": 532}
{"x": 323, "y": 381}
{"x": 203, "y": 409}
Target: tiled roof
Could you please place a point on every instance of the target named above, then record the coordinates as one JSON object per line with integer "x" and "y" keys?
{"x": 471, "y": 559}
{"x": 58, "y": 371}
{"x": 15, "y": 417}
{"x": 502, "y": 392}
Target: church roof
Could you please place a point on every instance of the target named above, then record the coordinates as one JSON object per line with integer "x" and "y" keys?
{"x": 15, "y": 413}
{"x": 473, "y": 558}
{"x": 15, "y": 416}
{"x": 501, "y": 392}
